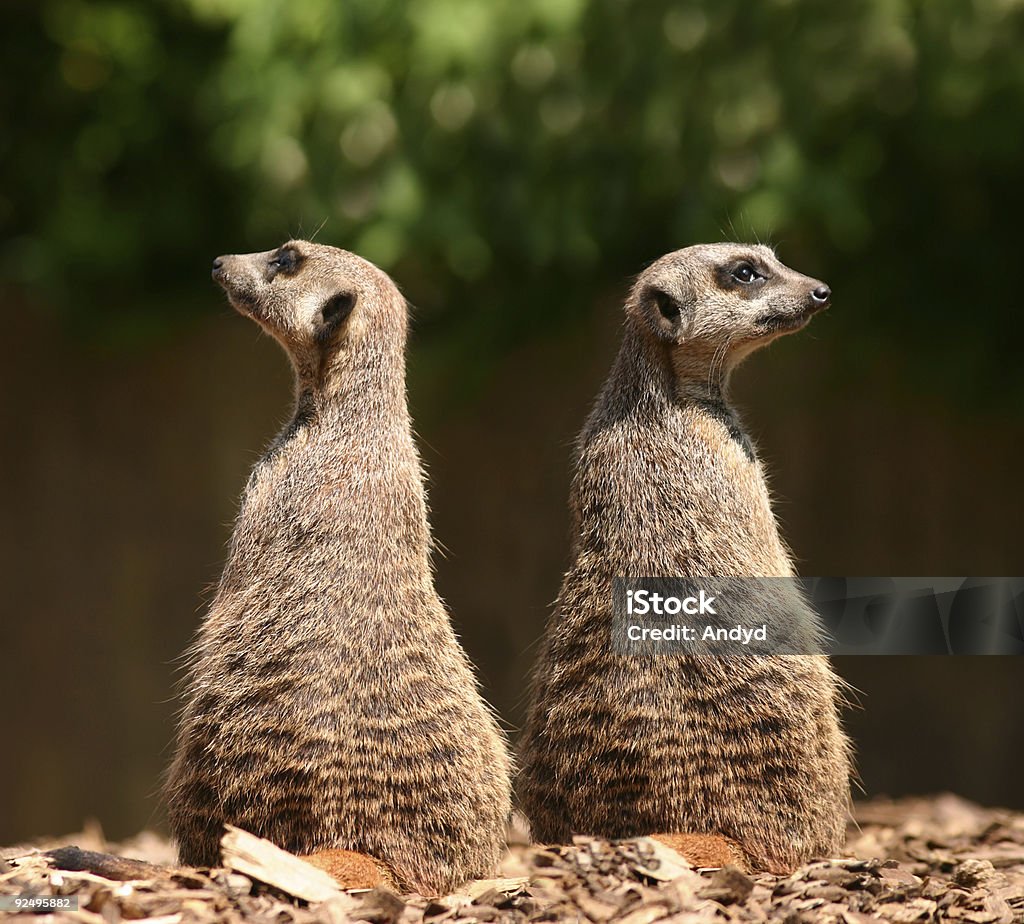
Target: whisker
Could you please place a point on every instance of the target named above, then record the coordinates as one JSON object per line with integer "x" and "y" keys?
{"x": 319, "y": 229}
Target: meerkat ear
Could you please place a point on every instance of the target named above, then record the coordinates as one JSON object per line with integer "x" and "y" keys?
{"x": 670, "y": 314}
{"x": 333, "y": 313}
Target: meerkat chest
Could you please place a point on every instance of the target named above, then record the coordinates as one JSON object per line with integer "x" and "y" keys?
{"x": 718, "y": 480}
{"x": 715, "y": 456}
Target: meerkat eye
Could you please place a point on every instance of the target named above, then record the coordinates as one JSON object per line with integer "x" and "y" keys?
{"x": 746, "y": 273}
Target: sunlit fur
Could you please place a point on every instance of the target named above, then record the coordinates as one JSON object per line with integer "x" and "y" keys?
{"x": 667, "y": 484}
{"x": 328, "y": 703}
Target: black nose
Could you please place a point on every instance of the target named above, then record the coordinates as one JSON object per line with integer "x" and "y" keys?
{"x": 218, "y": 263}
{"x": 821, "y": 295}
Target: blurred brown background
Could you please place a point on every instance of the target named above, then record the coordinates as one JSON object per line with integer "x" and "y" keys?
{"x": 511, "y": 164}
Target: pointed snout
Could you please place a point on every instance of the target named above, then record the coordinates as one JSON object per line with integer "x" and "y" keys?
{"x": 233, "y": 276}
{"x": 821, "y": 296}
{"x": 229, "y": 272}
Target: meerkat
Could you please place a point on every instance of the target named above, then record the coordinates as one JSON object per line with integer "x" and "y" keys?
{"x": 746, "y": 753}
{"x": 329, "y": 706}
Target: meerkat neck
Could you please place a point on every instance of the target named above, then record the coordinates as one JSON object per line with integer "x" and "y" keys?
{"x": 665, "y": 438}
{"x": 702, "y": 372}
{"x": 650, "y": 374}
{"x": 347, "y": 451}
{"x": 365, "y": 389}
{"x": 700, "y": 381}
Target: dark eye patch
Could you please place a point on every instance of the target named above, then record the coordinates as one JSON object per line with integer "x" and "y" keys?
{"x": 287, "y": 261}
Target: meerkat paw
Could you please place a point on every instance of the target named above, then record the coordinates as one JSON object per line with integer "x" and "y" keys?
{"x": 351, "y": 870}
{"x": 706, "y": 850}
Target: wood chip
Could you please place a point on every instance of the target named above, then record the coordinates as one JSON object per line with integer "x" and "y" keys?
{"x": 917, "y": 861}
{"x": 665, "y": 863}
{"x": 259, "y": 859}
{"x": 479, "y": 887}
{"x": 729, "y": 886}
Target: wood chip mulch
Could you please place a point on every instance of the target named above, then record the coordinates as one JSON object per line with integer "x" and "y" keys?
{"x": 928, "y": 860}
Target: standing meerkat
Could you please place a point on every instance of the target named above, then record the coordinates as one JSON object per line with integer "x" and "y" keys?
{"x": 329, "y": 706}
{"x": 737, "y": 759}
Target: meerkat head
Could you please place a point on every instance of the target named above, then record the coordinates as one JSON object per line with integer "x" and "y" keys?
{"x": 316, "y": 301}
{"x": 717, "y": 303}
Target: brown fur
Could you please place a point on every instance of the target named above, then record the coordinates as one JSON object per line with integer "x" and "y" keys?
{"x": 667, "y": 484}
{"x": 353, "y": 870}
{"x": 706, "y": 851}
{"x": 329, "y": 704}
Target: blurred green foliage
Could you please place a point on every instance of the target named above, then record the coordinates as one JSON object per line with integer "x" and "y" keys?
{"x": 511, "y": 162}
